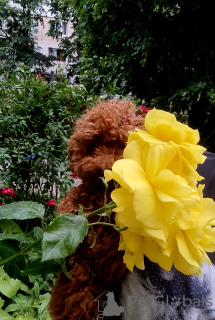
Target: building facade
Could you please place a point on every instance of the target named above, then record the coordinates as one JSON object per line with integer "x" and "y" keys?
{"x": 50, "y": 46}
{"x": 47, "y": 45}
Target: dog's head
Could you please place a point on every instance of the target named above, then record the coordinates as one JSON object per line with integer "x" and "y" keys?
{"x": 100, "y": 137}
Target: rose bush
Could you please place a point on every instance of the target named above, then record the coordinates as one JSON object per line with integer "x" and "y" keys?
{"x": 34, "y": 131}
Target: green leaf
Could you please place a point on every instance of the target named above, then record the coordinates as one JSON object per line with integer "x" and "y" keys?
{"x": 24, "y": 287}
{"x": 23, "y": 301}
{"x": 62, "y": 263}
{"x": 22, "y": 210}
{"x": 40, "y": 268}
{"x": 63, "y": 236}
{"x": 25, "y": 318}
{"x": 16, "y": 237}
{"x": 36, "y": 289}
{"x": 8, "y": 286}
{"x": 12, "y": 307}
{"x": 12, "y": 268}
{"x": 38, "y": 232}
{"x": 81, "y": 210}
{"x": 5, "y": 316}
{"x": 45, "y": 300}
{"x": 1, "y": 302}
{"x": 10, "y": 227}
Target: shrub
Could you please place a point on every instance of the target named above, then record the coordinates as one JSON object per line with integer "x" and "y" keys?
{"x": 36, "y": 119}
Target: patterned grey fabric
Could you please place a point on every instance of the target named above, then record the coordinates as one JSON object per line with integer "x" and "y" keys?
{"x": 156, "y": 294}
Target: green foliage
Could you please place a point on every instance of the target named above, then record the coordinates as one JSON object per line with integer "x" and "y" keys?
{"x": 160, "y": 51}
{"x": 40, "y": 268}
{"x": 55, "y": 241}
{"x": 22, "y": 209}
{"x": 155, "y": 43}
{"x": 32, "y": 304}
{"x": 59, "y": 239}
{"x": 36, "y": 119}
{"x": 8, "y": 286}
{"x": 94, "y": 73}
{"x": 18, "y": 44}
{"x": 41, "y": 248}
{"x": 63, "y": 236}
{"x": 7, "y": 249}
{"x": 27, "y": 302}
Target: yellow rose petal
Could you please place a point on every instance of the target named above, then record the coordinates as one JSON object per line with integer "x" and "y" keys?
{"x": 153, "y": 252}
{"x": 134, "y": 151}
{"x": 158, "y": 158}
{"x": 207, "y": 212}
{"x": 126, "y": 215}
{"x": 109, "y": 175}
{"x": 192, "y": 135}
{"x": 147, "y": 207}
{"x": 185, "y": 251}
{"x": 143, "y": 135}
{"x": 154, "y": 116}
{"x": 183, "y": 266}
{"x": 164, "y": 126}
{"x": 130, "y": 173}
{"x": 172, "y": 184}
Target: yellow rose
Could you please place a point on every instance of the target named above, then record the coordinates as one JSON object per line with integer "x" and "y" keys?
{"x": 184, "y": 247}
{"x": 166, "y": 217}
{"x": 164, "y": 129}
{"x": 156, "y": 195}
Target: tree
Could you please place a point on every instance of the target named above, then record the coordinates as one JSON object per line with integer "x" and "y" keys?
{"x": 160, "y": 50}
{"x": 62, "y": 11}
{"x": 17, "y": 20}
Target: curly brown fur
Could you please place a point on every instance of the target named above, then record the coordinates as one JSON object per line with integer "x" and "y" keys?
{"x": 98, "y": 141}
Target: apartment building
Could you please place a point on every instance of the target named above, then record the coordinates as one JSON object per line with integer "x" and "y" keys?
{"x": 50, "y": 46}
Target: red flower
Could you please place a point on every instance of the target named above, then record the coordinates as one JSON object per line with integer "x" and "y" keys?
{"x": 142, "y": 110}
{"x": 73, "y": 175}
{"x": 1, "y": 204}
{"x": 83, "y": 107}
{"x": 51, "y": 203}
{"x": 8, "y": 192}
{"x": 37, "y": 76}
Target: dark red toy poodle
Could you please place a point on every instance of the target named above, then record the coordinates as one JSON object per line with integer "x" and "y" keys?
{"x": 98, "y": 141}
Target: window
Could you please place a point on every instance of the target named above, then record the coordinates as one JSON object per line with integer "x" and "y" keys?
{"x": 34, "y": 27}
{"x": 63, "y": 28}
{"x": 57, "y": 54}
